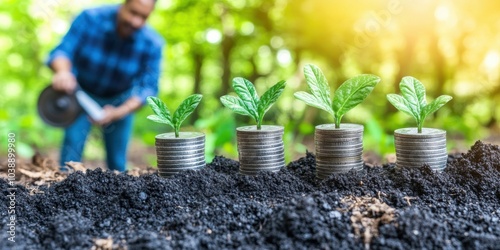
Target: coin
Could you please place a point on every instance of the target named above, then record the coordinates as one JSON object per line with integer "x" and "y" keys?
{"x": 180, "y": 158}
{"x": 260, "y": 152}
{"x": 257, "y": 147}
{"x": 182, "y": 152}
{"x": 413, "y": 132}
{"x": 344, "y": 127}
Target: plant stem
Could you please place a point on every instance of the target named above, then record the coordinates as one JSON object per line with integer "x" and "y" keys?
{"x": 259, "y": 122}
{"x": 337, "y": 122}
{"x": 176, "y": 133}
{"x": 420, "y": 124}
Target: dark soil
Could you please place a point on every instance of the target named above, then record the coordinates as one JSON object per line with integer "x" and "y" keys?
{"x": 216, "y": 208}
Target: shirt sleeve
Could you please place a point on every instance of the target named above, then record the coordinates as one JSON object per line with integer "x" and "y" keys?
{"x": 69, "y": 42}
{"x": 146, "y": 83}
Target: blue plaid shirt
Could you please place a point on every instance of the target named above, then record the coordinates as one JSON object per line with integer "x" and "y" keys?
{"x": 107, "y": 65}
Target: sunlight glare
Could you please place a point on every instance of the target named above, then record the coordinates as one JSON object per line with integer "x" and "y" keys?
{"x": 442, "y": 13}
{"x": 213, "y": 36}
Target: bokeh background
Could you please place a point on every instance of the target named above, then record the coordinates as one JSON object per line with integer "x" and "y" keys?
{"x": 453, "y": 47}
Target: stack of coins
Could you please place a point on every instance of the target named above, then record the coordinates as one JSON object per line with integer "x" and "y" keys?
{"x": 182, "y": 153}
{"x": 338, "y": 150}
{"x": 260, "y": 149}
{"x": 414, "y": 149}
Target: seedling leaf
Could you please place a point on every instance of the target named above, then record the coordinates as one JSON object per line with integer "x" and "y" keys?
{"x": 247, "y": 93}
{"x": 269, "y": 98}
{"x": 235, "y": 104}
{"x": 435, "y": 105}
{"x": 414, "y": 93}
{"x": 184, "y": 110}
{"x": 160, "y": 109}
{"x": 318, "y": 86}
{"x": 158, "y": 119}
{"x": 401, "y": 104}
{"x": 162, "y": 114}
{"x": 413, "y": 101}
{"x": 351, "y": 93}
{"x": 248, "y": 102}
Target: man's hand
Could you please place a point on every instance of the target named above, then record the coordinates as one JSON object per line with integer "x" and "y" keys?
{"x": 112, "y": 113}
{"x": 64, "y": 81}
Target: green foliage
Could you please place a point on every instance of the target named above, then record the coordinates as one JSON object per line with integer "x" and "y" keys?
{"x": 413, "y": 101}
{"x": 248, "y": 102}
{"x": 350, "y": 94}
{"x": 162, "y": 114}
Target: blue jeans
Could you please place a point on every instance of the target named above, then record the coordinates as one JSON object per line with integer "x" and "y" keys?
{"x": 116, "y": 136}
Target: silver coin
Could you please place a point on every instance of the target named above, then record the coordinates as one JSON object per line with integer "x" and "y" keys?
{"x": 262, "y": 132}
{"x": 413, "y": 132}
{"x": 261, "y": 143}
{"x": 263, "y": 162}
{"x": 347, "y": 127}
{"x": 262, "y": 157}
{"x": 181, "y": 162}
{"x": 358, "y": 147}
{"x": 421, "y": 151}
{"x": 338, "y": 144}
{"x": 419, "y": 164}
{"x": 441, "y": 141}
{"x": 421, "y": 154}
{"x": 348, "y": 159}
{"x": 420, "y": 147}
{"x": 422, "y": 158}
{"x": 263, "y": 128}
{"x": 320, "y": 165}
{"x": 170, "y": 169}
{"x": 178, "y": 150}
{"x": 262, "y": 146}
{"x": 326, "y": 174}
{"x": 178, "y": 143}
{"x": 182, "y": 136}
{"x": 340, "y": 136}
{"x": 338, "y": 155}
{"x": 180, "y": 153}
{"x": 184, "y": 164}
{"x": 259, "y": 140}
{"x": 439, "y": 166}
{"x": 338, "y": 170}
{"x": 181, "y": 158}
{"x": 338, "y": 139}
{"x": 259, "y": 152}
{"x": 248, "y": 133}
{"x": 269, "y": 165}
{"x": 172, "y": 172}
{"x": 180, "y": 167}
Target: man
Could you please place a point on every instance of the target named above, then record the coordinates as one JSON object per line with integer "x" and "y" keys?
{"x": 114, "y": 57}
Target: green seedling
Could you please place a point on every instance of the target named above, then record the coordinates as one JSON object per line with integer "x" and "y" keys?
{"x": 351, "y": 93}
{"x": 413, "y": 101}
{"x": 162, "y": 114}
{"x": 248, "y": 102}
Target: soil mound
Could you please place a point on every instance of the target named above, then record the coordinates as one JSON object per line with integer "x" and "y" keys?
{"x": 216, "y": 208}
